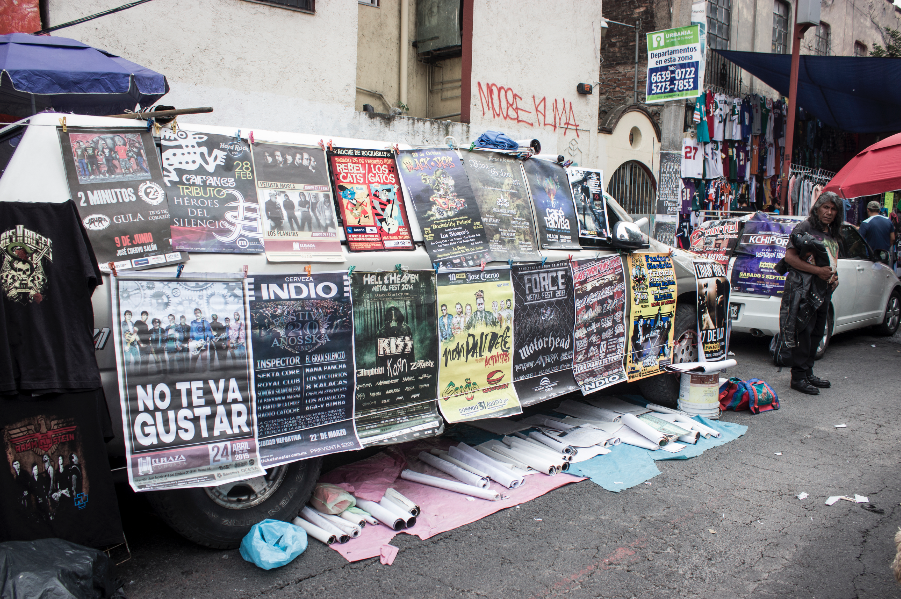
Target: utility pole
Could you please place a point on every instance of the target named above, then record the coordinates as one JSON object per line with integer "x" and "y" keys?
{"x": 798, "y": 31}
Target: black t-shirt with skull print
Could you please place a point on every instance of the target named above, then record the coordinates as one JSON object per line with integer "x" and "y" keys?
{"x": 47, "y": 276}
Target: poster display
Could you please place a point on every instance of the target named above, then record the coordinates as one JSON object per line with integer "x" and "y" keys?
{"x": 184, "y": 381}
{"x": 371, "y": 201}
{"x": 302, "y": 351}
{"x": 713, "y": 311}
{"x": 396, "y": 353}
{"x": 665, "y": 229}
{"x": 761, "y": 246}
{"x": 542, "y": 330}
{"x": 115, "y": 180}
{"x": 674, "y": 64}
{"x": 600, "y": 327}
{"x": 445, "y": 207}
{"x": 715, "y": 239}
{"x": 652, "y": 281}
{"x": 296, "y": 207}
{"x": 212, "y": 194}
{"x": 552, "y": 199}
{"x": 669, "y": 184}
{"x": 500, "y": 192}
{"x": 475, "y": 373}
{"x": 587, "y": 186}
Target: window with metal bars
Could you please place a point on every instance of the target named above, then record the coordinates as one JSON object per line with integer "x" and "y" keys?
{"x": 298, "y": 5}
{"x": 860, "y": 49}
{"x": 781, "y": 11}
{"x": 823, "y": 40}
{"x": 374, "y": 3}
{"x": 719, "y": 23}
{"x": 634, "y": 188}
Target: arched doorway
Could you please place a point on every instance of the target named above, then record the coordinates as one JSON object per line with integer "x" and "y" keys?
{"x": 634, "y": 187}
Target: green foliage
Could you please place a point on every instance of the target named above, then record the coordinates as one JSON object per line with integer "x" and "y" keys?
{"x": 892, "y": 48}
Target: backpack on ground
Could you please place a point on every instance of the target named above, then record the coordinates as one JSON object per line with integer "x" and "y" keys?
{"x": 780, "y": 354}
{"x": 754, "y": 395}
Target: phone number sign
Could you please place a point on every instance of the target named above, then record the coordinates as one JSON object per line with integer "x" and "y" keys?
{"x": 674, "y": 59}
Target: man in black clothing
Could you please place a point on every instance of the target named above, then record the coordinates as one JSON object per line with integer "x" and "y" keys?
{"x": 158, "y": 345}
{"x": 288, "y": 205}
{"x": 220, "y": 341}
{"x": 304, "y": 206}
{"x": 21, "y": 482}
{"x": 143, "y": 331}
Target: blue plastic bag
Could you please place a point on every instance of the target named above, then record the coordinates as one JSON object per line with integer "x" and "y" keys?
{"x": 496, "y": 139}
{"x": 273, "y": 543}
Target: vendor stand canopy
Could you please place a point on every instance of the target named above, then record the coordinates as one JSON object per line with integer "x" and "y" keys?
{"x": 41, "y": 72}
{"x": 873, "y": 171}
{"x": 854, "y": 94}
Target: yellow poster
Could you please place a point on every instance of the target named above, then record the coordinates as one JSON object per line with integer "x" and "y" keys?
{"x": 652, "y": 286}
{"x": 475, "y": 373}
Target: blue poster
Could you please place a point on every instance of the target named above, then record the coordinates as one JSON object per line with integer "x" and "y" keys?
{"x": 761, "y": 246}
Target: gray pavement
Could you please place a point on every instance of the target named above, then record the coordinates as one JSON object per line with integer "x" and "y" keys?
{"x": 725, "y": 524}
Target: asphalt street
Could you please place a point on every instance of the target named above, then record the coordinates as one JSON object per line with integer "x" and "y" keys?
{"x": 725, "y": 524}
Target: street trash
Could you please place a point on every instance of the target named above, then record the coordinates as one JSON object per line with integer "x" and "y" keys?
{"x": 778, "y": 453}
{"x": 860, "y": 499}
{"x": 331, "y": 499}
{"x": 54, "y": 568}
{"x": 273, "y": 543}
{"x": 387, "y": 553}
{"x": 803, "y": 496}
{"x": 841, "y": 426}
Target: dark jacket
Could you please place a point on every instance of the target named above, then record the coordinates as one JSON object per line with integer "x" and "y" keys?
{"x": 803, "y": 293}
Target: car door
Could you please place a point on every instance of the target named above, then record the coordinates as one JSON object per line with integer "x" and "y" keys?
{"x": 850, "y": 300}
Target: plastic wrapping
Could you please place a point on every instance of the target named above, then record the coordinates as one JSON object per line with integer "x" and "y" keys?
{"x": 331, "y": 499}
{"x": 273, "y": 543}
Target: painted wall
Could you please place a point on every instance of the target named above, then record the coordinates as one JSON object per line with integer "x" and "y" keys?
{"x": 19, "y": 16}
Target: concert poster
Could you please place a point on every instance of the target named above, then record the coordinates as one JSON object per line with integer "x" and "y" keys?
{"x": 396, "y": 355}
{"x": 188, "y": 406}
{"x": 296, "y": 207}
{"x": 475, "y": 372}
{"x": 652, "y": 282}
{"x": 761, "y": 246}
{"x": 600, "y": 324}
{"x": 552, "y": 199}
{"x": 715, "y": 239}
{"x": 587, "y": 186}
{"x": 714, "y": 325}
{"x": 302, "y": 352}
{"x": 212, "y": 195}
{"x": 116, "y": 182}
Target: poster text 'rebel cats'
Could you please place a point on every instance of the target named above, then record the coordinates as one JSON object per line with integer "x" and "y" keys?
{"x": 301, "y": 339}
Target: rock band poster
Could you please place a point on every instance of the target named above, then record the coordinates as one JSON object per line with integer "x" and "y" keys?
{"x": 761, "y": 246}
{"x": 587, "y": 185}
{"x": 184, "y": 381}
{"x": 396, "y": 355}
{"x": 713, "y": 311}
{"x": 652, "y": 281}
{"x": 475, "y": 369}
{"x": 600, "y": 325}
{"x": 302, "y": 350}
{"x": 296, "y": 207}
{"x": 552, "y": 198}
{"x": 445, "y": 207}
{"x": 715, "y": 239}
{"x": 371, "y": 200}
{"x": 542, "y": 331}
{"x": 116, "y": 183}
{"x": 212, "y": 194}
{"x": 500, "y": 192}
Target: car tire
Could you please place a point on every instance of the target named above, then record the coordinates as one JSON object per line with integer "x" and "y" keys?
{"x": 663, "y": 389}
{"x": 219, "y": 517}
{"x": 892, "y": 317}
{"x": 827, "y": 336}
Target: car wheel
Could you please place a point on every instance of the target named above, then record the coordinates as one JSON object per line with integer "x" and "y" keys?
{"x": 219, "y": 517}
{"x": 663, "y": 389}
{"x": 827, "y": 336}
{"x": 892, "y": 315}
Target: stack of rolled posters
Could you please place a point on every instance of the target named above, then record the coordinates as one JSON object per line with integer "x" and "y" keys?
{"x": 559, "y": 454}
{"x": 356, "y": 511}
{"x": 495, "y": 470}
{"x": 514, "y": 465}
{"x": 578, "y": 409}
{"x": 316, "y": 518}
{"x": 652, "y": 437}
{"x": 553, "y": 443}
{"x": 356, "y": 519}
{"x": 684, "y": 419}
{"x": 449, "y": 485}
{"x": 395, "y": 496}
{"x": 540, "y": 461}
{"x": 384, "y": 515}
{"x": 461, "y": 474}
{"x": 670, "y": 429}
{"x": 399, "y": 510}
{"x": 314, "y": 531}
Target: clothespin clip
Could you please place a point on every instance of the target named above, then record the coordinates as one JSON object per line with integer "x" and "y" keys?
{"x": 238, "y": 134}
{"x": 150, "y": 123}
{"x": 309, "y": 269}
{"x": 178, "y": 270}
{"x": 452, "y": 144}
{"x": 62, "y": 122}
{"x": 437, "y": 266}
{"x": 399, "y": 268}
{"x": 510, "y": 263}
{"x": 483, "y": 266}
{"x": 174, "y": 125}
{"x": 251, "y": 137}
{"x": 112, "y": 268}
{"x": 543, "y": 260}
{"x": 329, "y": 145}
{"x": 472, "y": 146}
{"x": 244, "y": 268}
{"x": 350, "y": 270}
{"x": 322, "y": 144}
{"x": 570, "y": 257}
{"x": 396, "y": 148}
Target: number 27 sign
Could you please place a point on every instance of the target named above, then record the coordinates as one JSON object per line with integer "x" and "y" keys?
{"x": 674, "y": 64}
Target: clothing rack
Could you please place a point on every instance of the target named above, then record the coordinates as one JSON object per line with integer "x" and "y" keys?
{"x": 819, "y": 175}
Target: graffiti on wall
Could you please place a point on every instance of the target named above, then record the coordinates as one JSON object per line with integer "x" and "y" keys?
{"x": 504, "y": 103}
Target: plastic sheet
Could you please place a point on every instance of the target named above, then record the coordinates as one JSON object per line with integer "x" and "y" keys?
{"x": 331, "y": 499}
{"x": 273, "y": 543}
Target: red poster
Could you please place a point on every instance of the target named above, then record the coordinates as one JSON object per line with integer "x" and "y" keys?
{"x": 371, "y": 200}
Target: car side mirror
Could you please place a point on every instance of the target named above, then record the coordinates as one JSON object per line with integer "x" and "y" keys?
{"x": 627, "y": 236}
{"x": 882, "y": 256}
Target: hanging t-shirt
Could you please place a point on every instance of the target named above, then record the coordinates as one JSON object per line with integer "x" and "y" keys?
{"x": 713, "y": 160}
{"x": 683, "y": 232}
{"x": 741, "y": 160}
{"x": 733, "y": 123}
{"x": 755, "y": 153}
{"x": 709, "y": 104}
{"x": 692, "y": 159}
{"x": 56, "y": 481}
{"x": 689, "y": 189}
{"x": 700, "y": 118}
{"x": 746, "y": 119}
{"x": 700, "y": 195}
{"x": 48, "y": 275}
{"x": 778, "y": 120}
{"x": 770, "y": 121}
{"x": 756, "y": 115}
{"x": 733, "y": 161}
{"x": 770, "y": 159}
{"x": 764, "y": 116}
{"x": 719, "y": 117}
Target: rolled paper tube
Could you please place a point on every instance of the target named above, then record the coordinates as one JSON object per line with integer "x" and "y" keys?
{"x": 460, "y": 474}
{"x": 485, "y": 463}
{"x": 314, "y": 531}
{"x": 447, "y": 458}
{"x": 351, "y": 530}
{"x": 581, "y": 410}
{"x": 685, "y": 418}
{"x": 410, "y": 506}
{"x": 630, "y": 437}
{"x": 645, "y": 430}
{"x": 450, "y": 485}
{"x": 311, "y": 515}
{"x": 491, "y": 461}
{"x": 556, "y": 424}
{"x": 363, "y": 514}
{"x": 506, "y": 461}
{"x": 534, "y": 461}
{"x": 532, "y": 443}
{"x": 398, "y": 510}
{"x": 553, "y": 443}
{"x": 531, "y": 449}
{"x": 384, "y": 516}
{"x": 357, "y": 519}
{"x": 613, "y": 441}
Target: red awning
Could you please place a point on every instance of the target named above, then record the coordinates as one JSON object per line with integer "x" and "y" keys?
{"x": 874, "y": 170}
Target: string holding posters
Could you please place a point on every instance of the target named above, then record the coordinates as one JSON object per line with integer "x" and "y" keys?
{"x": 296, "y": 207}
{"x": 445, "y": 207}
{"x": 500, "y": 192}
{"x": 761, "y": 246}
{"x": 302, "y": 351}
{"x": 600, "y": 324}
{"x": 475, "y": 371}
{"x": 371, "y": 200}
{"x": 552, "y": 200}
{"x": 713, "y": 311}
{"x": 652, "y": 281}
{"x": 396, "y": 355}
{"x": 212, "y": 195}
{"x": 188, "y": 406}
{"x": 715, "y": 239}
{"x": 542, "y": 330}
{"x": 116, "y": 183}
{"x": 587, "y": 185}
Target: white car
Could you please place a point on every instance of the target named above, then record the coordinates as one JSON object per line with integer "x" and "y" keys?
{"x": 869, "y": 294}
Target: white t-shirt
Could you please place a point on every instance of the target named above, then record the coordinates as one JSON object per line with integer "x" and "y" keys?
{"x": 720, "y": 114}
{"x": 770, "y": 158}
{"x": 713, "y": 160}
{"x": 735, "y": 119}
{"x": 769, "y": 121}
{"x": 692, "y": 159}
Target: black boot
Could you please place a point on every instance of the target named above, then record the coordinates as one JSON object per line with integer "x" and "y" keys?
{"x": 818, "y": 382}
{"x": 804, "y": 386}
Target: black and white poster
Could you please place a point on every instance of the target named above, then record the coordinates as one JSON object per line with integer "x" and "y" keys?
{"x": 184, "y": 381}
{"x": 116, "y": 183}
{"x": 396, "y": 354}
{"x": 302, "y": 345}
{"x": 713, "y": 311}
{"x": 552, "y": 199}
{"x": 543, "y": 330}
{"x": 669, "y": 192}
{"x": 587, "y": 185}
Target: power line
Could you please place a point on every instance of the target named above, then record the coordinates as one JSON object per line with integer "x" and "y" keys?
{"x": 91, "y": 17}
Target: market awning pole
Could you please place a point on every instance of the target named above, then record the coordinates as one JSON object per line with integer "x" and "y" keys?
{"x": 150, "y": 114}
{"x": 792, "y": 107}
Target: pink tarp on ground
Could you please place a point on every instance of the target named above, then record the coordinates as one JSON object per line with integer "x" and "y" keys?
{"x": 441, "y": 510}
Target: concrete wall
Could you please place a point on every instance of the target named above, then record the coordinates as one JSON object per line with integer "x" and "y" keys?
{"x": 854, "y": 22}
